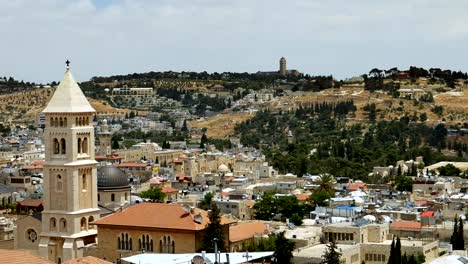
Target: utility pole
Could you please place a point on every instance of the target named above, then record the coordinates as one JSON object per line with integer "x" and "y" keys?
{"x": 215, "y": 240}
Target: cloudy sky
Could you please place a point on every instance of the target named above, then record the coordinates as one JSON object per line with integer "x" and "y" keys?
{"x": 339, "y": 37}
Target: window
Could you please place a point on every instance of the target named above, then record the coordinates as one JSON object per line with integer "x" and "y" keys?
{"x": 51, "y": 121}
{"x": 63, "y": 146}
{"x": 112, "y": 197}
{"x": 90, "y": 220}
{"x": 83, "y": 182}
{"x": 84, "y": 147}
{"x": 83, "y": 224}
{"x": 61, "y": 122}
{"x": 145, "y": 243}
{"x": 98, "y": 197}
{"x": 65, "y": 122}
{"x": 52, "y": 224}
{"x": 126, "y": 196}
{"x": 124, "y": 242}
{"x": 31, "y": 235}
{"x": 63, "y": 225}
{"x": 77, "y": 122}
{"x": 56, "y": 146}
{"x": 79, "y": 145}
{"x": 58, "y": 183}
{"x": 167, "y": 245}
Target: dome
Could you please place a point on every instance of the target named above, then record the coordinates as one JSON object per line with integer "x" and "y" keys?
{"x": 223, "y": 168}
{"x": 9, "y": 172}
{"x": 111, "y": 177}
{"x": 5, "y": 148}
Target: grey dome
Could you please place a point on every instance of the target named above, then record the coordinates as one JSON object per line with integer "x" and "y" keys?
{"x": 111, "y": 177}
{"x": 9, "y": 172}
{"x": 5, "y": 148}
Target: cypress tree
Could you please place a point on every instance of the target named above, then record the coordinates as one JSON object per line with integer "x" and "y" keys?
{"x": 412, "y": 260}
{"x": 453, "y": 238}
{"x": 404, "y": 259}
{"x": 331, "y": 256}
{"x": 460, "y": 239}
{"x": 398, "y": 251}
{"x": 391, "y": 258}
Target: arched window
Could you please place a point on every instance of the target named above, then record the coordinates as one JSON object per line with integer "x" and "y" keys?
{"x": 56, "y": 122}
{"x": 87, "y": 121}
{"x": 85, "y": 145}
{"x": 98, "y": 197}
{"x": 63, "y": 225}
{"x": 112, "y": 197}
{"x": 52, "y": 224}
{"x": 79, "y": 145}
{"x": 56, "y": 146}
{"x": 124, "y": 242}
{"x": 63, "y": 146}
{"x": 61, "y": 122}
{"x": 167, "y": 245}
{"x": 145, "y": 243}
{"x": 126, "y": 196}
{"x": 58, "y": 183}
{"x": 76, "y": 121}
{"x": 90, "y": 220}
{"x": 83, "y": 224}
{"x": 52, "y": 121}
{"x": 83, "y": 182}
{"x": 65, "y": 123}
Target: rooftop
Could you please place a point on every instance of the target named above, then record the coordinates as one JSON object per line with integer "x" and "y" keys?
{"x": 20, "y": 257}
{"x": 158, "y": 215}
{"x": 247, "y": 230}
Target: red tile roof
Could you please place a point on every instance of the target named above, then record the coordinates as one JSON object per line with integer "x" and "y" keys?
{"x": 167, "y": 189}
{"x": 158, "y": 215}
{"x": 31, "y": 203}
{"x": 87, "y": 260}
{"x": 302, "y": 197}
{"x": 32, "y": 167}
{"x": 21, "y": 257}
{"x": 356, "y": 186}
{"x": 38, "y": 162}
{"x": 428, "y": 214}
{"x": 246, "y": 230}
{"x": 406, "y": 225}
{"x": 130, "y": 164}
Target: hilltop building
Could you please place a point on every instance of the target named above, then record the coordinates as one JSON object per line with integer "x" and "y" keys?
{"x": 283, "y": 71}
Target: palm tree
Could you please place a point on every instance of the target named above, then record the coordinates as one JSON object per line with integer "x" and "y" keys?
{"x": 326, "y": 184}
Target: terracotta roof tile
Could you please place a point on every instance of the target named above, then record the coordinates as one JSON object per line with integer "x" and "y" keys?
{"x": 406, "y": 225}
{"x": 302, "y": 197}
{"x": 30, "y": 202}
{"x": 246, "y": 230}
{"x": 167, "y": 189}
{"x": 357, "y": 185}
{"x": 130, "y": 164}
{"x": 21, "y": 257}
{"x": 88, "y": 260}
{"x": 428, "y": 214}
{"x": 159, "y": 215}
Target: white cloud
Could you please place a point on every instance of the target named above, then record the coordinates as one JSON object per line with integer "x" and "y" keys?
{"x": 317, "y": 37}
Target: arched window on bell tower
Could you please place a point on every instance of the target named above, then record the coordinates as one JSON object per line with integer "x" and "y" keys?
{"x": 79, "y": 145}
{"x": 56, "y": 146}
{"x": 83, "y": 182}
{"x": 63, "y": 146}
{"x": 58, "y": 183}
{"x": 84, "y": 148}
{"x": 61, "y": 122}
{"x": 65, "y": 124}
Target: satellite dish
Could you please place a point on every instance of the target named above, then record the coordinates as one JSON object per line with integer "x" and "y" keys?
{"x": 186, "y": 208}
{"x": 198, "y": 218}
{"x": 198, "y": 260}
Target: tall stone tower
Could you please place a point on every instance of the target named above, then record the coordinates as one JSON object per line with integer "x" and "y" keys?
{"x": 70, "y": 182}
{"x": 282, "y": 69}
{"x": 105, "y": 137}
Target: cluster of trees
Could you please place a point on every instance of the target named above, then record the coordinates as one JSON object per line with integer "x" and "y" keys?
{"x": 155, "y": 195}
{"x": 10, "y": 85}
{"x": 323, "y": 143}
{"x": 457, "y": 240}
{"x": 278, "y": 243}
{"x": 315, "y": 84}
{"x": 397, "y": 258}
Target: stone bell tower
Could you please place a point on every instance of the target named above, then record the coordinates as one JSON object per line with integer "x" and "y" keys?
{"x": 70, "y": 182}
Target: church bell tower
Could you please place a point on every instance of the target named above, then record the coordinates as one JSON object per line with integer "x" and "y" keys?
{"x": 70, "y": 182}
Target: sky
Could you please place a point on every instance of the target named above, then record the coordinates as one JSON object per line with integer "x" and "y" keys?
{"x": 318, "y": 37}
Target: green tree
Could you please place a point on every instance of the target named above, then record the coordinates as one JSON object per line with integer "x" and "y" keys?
{"x": 404, "y": 183}
{"x": 115, "y": 144}
{"x": 326, "y": 184}
{"x": 460, "y": 240}
{"x": 449, "y": 170}
{"x": 213, "y": 229}
{"x": 319, "y": 198}
{"x": 154, "y": 194}
{"x": 283, "y": 249}
{"x": 206, "y": 201}
{"x": 454, "y": 237}
{"x": 296, "y": 219}
{"x": 203, "y": 141}
{"x": 331, "y": 255}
